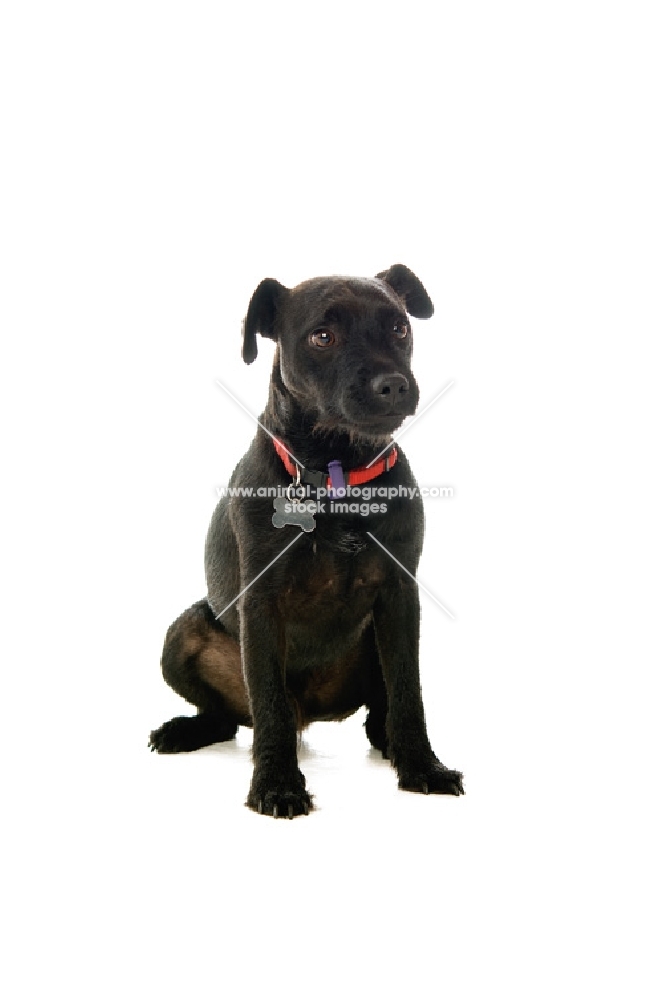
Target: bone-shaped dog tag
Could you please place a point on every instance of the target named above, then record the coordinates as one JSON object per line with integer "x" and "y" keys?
{"x": 299, "y": 518}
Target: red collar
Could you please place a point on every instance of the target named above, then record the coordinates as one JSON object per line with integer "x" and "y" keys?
{"x": 353, "y": 478}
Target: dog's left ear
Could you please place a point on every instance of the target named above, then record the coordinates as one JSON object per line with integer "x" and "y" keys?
{"x": 409, "y": 288}
{"x": 261, "y": 316}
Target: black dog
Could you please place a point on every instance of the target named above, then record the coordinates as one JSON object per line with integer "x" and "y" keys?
{"x": 326, "y": 620}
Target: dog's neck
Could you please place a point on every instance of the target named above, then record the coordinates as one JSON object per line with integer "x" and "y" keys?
{"x": 312, "y": 443}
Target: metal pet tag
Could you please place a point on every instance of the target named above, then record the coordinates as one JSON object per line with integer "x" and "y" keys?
{"x": 299, "y": 518}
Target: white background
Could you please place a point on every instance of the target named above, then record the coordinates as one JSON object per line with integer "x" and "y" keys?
{"x": 158, "y": 161}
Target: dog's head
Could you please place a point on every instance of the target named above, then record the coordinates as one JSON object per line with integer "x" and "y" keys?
{"x": 344, "y": 346}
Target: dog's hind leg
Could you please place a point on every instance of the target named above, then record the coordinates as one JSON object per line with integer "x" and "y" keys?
{"x": 201, "y": 662}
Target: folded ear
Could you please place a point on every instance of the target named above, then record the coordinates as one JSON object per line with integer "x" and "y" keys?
{"x": 261, "y": 316}
{"x": 409, "y": 288}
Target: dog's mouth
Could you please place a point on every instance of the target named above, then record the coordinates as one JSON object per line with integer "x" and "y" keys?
{"x": 371, "y": 420}
{"x": 380, "y": 423}
{"x": 375, "y": 429}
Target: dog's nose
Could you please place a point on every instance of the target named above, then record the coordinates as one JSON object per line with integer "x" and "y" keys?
{"x": 390, "y": 387}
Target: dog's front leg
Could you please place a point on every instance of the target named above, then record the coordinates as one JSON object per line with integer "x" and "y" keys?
{"x": 397, "y": 627}
{"x": 277, "y": 786}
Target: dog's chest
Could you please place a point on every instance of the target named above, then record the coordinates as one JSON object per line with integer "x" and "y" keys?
{"x": 331, "y": 585}
{"x": 325, "y": 606}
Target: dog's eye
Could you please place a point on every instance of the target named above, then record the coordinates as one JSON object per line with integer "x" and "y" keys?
{"x": 401, "y": 330}
{"x": 321, "y": 338}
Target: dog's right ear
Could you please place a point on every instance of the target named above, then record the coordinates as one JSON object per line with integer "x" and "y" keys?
{"x": 261, "y": 316}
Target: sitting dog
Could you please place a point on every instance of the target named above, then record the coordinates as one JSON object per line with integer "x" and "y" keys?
{"x": 312, "y": 609}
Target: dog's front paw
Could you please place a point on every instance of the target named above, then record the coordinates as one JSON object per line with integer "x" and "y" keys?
{"x": 431, "y": 779}
{"x": 279, "y": 795}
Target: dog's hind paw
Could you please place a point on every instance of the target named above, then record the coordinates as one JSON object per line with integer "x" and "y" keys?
{"x": 186, "y": 733}
{"x": 280, "y": 798}
{"x": 435, "y": 779}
